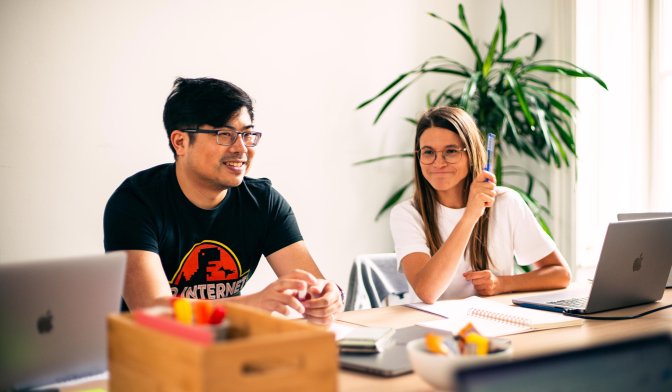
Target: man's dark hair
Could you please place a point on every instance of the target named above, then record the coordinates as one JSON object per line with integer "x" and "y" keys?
{"x": 195, "y": 102}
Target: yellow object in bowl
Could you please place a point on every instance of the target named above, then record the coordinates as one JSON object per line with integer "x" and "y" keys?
{"x": 439, "y": 370}
{"x": 435, "y": 344}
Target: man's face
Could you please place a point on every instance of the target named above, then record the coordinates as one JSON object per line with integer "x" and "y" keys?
{"x": 217, "y": 167}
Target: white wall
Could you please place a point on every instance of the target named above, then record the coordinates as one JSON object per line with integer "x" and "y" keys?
{"x": 84, "y": 83}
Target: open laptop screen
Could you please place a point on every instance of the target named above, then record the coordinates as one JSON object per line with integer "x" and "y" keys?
{"x": 647, "y": 215}
{"x": 53, "y": 317}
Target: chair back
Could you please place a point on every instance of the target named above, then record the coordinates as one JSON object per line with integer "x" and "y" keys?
{"x": 375, "y": 281}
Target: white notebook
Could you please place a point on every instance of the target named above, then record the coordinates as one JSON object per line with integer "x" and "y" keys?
{"x": 492, "y": 318}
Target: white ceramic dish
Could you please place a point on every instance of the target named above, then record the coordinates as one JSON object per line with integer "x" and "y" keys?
{"x": 439, "y": 370}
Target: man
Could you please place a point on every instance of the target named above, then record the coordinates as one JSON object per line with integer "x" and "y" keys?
{"x": 197, "y": 228}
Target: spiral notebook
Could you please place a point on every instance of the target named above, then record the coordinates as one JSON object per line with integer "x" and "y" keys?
{"x": 491, "y": 318}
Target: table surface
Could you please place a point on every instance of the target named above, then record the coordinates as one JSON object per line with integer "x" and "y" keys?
{"x": 526, "y": 344}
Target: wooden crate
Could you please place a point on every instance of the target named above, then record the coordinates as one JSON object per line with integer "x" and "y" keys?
{"x": 275, "y": 355}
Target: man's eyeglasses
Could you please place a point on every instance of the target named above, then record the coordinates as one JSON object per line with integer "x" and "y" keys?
{"x": 227, "y": 137}
{"x": 452, "y": 155}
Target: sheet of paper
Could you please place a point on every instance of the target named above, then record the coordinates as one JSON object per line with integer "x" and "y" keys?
{"x": 485, "y": 327}
{"x": 449, "y": 308}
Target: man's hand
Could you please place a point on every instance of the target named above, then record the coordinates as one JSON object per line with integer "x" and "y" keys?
{"x": 281, "y": 295}
{"x": 324, "y": 302}
{"x": 485, "y": 282}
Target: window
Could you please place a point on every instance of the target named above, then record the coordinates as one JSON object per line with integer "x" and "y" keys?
{"x": 661, "y": 154}
{"x": 624, "y": 136}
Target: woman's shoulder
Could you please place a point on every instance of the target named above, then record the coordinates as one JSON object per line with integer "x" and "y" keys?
{"x": 509, "y": 202}
{"x": 508, "y": 196}
{"x": 404, "y": 208}
{"x": 404, "y": 205}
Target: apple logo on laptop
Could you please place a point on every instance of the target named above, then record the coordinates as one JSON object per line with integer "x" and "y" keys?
{"x": 637, "y": 264}
{"x": 44, "y": 323}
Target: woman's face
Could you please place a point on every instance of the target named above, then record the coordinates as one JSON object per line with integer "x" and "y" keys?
{"x": 445, "y": 177}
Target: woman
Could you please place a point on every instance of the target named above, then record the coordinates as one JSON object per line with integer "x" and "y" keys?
{"x": 459, "y": 234}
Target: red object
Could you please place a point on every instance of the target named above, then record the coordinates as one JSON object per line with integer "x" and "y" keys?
{"x": 203, "y": 335}
{"x": 202, "y": 312}
{"x": 218, "y": 315}
{"x": 306, "y": 296}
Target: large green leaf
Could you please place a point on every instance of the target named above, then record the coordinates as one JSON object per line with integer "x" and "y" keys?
{"x": 463, "y": 18}
{"x": 502, "y": 25}
{"x": 467, "y": 37}
{"x": 392, "y": 98}
{"x": 386, "y": 89}
{"x": 394, "y": 199}
{"x": 514, "y": 44}
{"x": 573, "y": 71}
{"x": 490, "y": 57}
{"x": 513, "y": 82}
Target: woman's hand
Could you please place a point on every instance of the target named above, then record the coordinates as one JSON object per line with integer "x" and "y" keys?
{"x": 481, "y": 195}
{"x": 485, "y": 282}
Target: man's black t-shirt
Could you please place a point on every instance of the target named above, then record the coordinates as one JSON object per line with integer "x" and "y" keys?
{"x": 205, "y": 253}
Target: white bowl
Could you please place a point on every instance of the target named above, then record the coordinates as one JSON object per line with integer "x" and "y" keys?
{"x": 439, "y": 370}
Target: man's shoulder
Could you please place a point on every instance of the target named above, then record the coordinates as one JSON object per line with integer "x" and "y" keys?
{"x": 257, "y": 188}
{"x": 257, "y": 183}
{"x": 258, "y": 192}
{"x": 156, "y": 174}
{"x": 147, "y": 183}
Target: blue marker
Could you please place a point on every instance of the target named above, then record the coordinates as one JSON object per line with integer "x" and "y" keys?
{"x": 490, "y": 148}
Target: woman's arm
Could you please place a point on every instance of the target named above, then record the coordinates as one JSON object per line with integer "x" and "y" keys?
{"x": 430, "y": 276}
{"x": 551, "y": 272}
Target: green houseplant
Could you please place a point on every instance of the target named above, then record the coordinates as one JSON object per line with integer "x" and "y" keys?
{"x": 507, "y": 96}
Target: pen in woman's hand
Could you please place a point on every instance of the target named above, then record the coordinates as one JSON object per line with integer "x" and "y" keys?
{"x": 490, "y": 148}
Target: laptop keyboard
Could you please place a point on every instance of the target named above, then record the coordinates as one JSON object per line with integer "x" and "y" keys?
{"x": 578, "y": 303}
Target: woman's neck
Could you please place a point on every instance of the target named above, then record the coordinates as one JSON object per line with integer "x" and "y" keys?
{"x": 451, "y": 198}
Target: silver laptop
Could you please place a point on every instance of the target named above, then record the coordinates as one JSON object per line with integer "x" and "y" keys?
{"x": 632, "y": 270}
{"x": 53, "y": 318}
{"x": 648, "y": 215}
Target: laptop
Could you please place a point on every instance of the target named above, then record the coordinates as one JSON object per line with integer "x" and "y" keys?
{"x": 641, "y": 363}
{"x": 53, "y": 318}
{"x": 632, "y": 270}
{"x": 648, "y": 215}
{"x": 392, "y": 361}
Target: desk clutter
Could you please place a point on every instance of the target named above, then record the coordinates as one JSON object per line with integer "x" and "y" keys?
{"x": 198, "y": 321}
{"x": 366, "y": 340}
{"x": 469, "y": 341}
{"x": 214, "y": 350}
{"x": 437, "y": 358}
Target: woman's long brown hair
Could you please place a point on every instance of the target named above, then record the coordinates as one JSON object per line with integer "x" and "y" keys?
{"x": 456, "y": 120}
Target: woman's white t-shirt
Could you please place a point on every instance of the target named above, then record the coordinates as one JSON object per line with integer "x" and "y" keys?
{"x": 513, "y": 231}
